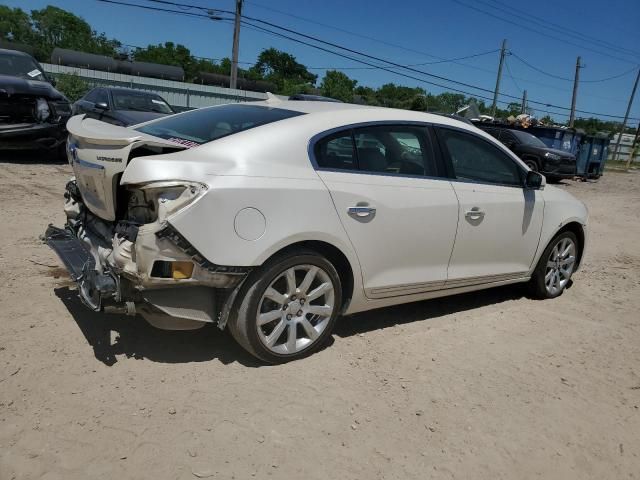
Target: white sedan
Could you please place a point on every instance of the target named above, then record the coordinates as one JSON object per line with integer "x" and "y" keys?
{"x": 274, "y": 218}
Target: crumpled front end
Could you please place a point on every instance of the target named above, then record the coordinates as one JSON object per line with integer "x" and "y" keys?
{"x": 32, "y": 121}
{"x": 139, "y": 263}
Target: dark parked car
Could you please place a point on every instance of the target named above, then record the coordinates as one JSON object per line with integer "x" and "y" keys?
{"x": 122, "y": 106}
{"x": 554, "y": 164}
{"x": 33, "y": 114}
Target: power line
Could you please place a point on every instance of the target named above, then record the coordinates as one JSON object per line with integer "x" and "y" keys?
{"x": 420, "y": 71}
{"x": 367, "y": 37}
{"x": 626, "y": 72}
{"x": 385, "y": 68}
{"x": 449, "y": 60}
{"x": 563, "y": 28}
{"x": 506, "y": 64}
{"x": 512, "y": 22}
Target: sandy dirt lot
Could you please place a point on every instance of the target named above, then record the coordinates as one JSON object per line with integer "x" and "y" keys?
{"x": 489, "y": 385}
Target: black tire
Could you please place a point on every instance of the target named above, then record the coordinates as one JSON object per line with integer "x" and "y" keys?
{"x": 243, "y": 324}
{"x": 537, "y": 286}
{"x": 532, "y": 164}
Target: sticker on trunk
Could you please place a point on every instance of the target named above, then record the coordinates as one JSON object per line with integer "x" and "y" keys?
{"x": 182, "y": 141}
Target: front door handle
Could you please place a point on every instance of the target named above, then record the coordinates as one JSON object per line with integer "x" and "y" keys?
{"x": 361, "y": 211}
{"x": 474, "y": 214}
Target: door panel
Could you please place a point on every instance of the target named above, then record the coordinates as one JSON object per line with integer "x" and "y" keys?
{"x": 498, "y": 231}
{"x": 404, "y": 245}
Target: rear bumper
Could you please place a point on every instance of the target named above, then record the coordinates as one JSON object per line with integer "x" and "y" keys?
{"x": 27, "y": 136}
{"x": 115, "y": 274}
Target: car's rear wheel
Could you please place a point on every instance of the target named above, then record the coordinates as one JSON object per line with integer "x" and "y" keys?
{"x": 555, "y": 267}
{"x": 288, "y": 307}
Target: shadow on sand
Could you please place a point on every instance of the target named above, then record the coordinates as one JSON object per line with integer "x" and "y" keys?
{"x": 135, "y": 338}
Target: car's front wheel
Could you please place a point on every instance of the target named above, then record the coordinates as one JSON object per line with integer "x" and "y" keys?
{"x": 555, "y": 267}
{"x": 288, "y": 307}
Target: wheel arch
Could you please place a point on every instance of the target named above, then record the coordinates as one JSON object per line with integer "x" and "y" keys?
{"x": 578, "y": 230}
{"x": 531, "y": 157}
{"x": 336, "y": 256}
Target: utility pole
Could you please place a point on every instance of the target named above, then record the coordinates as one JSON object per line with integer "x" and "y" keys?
{"x": 633, "y": 147}
{"x": 233, "y": 82}
{"x": 576, "y": 80}
{"x": 503, "y": 52}
{"x": 626, "y": 117}
{"x": 523, "y": 109}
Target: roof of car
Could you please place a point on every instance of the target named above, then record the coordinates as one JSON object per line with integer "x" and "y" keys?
{"x": 18, "y": 53}
{"x": 311, "y": 107}
{"x": 128, "y": 90}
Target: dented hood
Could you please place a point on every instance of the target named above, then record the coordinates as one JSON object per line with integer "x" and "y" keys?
{"x": 10, "y": 85}
{"x": 99, "y": 152}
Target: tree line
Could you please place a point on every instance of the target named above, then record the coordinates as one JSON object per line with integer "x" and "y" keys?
{"x": 51, "y": 27}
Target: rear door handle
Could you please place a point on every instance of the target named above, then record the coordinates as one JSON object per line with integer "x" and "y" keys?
{"x": 475, "y": 213}
{"x": 361, "y": 211}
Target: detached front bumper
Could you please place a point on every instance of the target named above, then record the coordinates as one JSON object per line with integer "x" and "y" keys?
{"x": 119, "y": 269}
{"x": 27, "y": 136}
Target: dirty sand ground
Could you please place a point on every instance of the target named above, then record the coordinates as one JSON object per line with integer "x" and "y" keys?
{"x": 489, "y": 385}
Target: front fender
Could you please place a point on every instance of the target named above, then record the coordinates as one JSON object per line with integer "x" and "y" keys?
{"x": 561, "y": 209}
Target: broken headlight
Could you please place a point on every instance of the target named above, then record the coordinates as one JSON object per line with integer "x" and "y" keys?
{"x": 42, "y": 110}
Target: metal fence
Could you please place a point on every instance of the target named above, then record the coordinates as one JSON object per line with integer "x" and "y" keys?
{"x": 179, "y": 94}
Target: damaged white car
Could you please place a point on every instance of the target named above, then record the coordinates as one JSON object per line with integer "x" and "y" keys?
{"x": 274, "y": 218}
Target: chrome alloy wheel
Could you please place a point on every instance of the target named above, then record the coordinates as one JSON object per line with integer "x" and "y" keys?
{"x": 295, "y": 309}
{"x": 560, "y": 266}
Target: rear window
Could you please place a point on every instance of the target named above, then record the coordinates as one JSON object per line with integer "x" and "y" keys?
{"x": 196, "y": 127}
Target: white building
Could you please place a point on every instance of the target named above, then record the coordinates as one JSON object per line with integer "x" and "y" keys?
{"x": 625, "y": 147}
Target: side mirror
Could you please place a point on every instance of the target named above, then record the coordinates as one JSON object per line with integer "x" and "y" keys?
{"x": 53, "y": 81}
{"x": 509, "y": 144}
{"x": 535, "y": 181}
{"x": 101, "y": 106}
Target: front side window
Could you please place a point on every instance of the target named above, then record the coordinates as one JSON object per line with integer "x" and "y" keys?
{"x": 475, "y": 159}
{"x": 139, "y": 102}
{"x": 101, "y": 96}
{"x": 204, "y": 125}
{"x": 92, "y": 96}
{"x": 387, "y": 149}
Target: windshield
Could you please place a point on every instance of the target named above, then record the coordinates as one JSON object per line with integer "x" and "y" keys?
{"x": 140, "y": 102}
{"x": 528, "y": 139}
{"x": 20, "y": 66}
{"x": 196, "y": 127}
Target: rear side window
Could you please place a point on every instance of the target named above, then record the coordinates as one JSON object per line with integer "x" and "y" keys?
{"x": 386, "y": 149}
{"x": 477, "y": 160}
{"x": 204, "y": 125}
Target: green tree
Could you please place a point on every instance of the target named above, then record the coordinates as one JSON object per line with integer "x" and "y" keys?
{"x": 55, "y": 27}
{"x": 72, "y": 86}
{"x": 15, "y": 25}
{"x": 338, "y": 85}
{"x": 276, "y": 66}
{"x": 398, "y": 96}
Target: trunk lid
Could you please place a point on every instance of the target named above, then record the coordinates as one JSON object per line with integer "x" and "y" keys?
{"x": 99, "y": 153}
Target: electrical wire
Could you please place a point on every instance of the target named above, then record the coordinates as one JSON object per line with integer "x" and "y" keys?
{"x": 547, "y": 35}
{"x": 533, "y": 67}
{"x": 384, "y": 68}
{"x": 506, "y": 64}
{"x": 546, "y": 23}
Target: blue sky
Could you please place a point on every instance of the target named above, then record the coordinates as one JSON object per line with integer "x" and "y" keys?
{"x": 427, "y": 29}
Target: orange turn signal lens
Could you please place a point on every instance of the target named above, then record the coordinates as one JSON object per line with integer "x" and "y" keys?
{"x": 181, "y": 270}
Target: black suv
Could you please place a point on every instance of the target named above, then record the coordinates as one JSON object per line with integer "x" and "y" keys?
{"x": 553, "y": 164}
{"x": 33, "y": 114}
